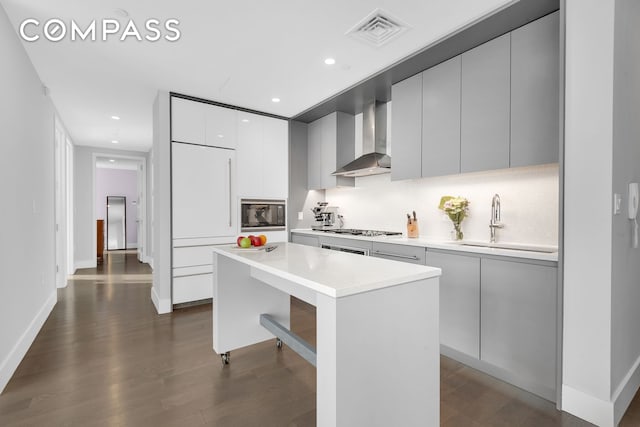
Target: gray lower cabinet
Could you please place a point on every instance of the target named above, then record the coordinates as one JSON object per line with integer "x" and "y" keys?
{"x": 518, "y": 322}
{"x": 440, "y": 119}
{"x": 406, "y": 128}
{"x": 485, "y": 109}
{"x": 535, "y": 80}
{"x": 405, "y": 253}
{"x": 305, "y": 240}
{"x": 346, "y": 245}
{"x": 459, "y": 301}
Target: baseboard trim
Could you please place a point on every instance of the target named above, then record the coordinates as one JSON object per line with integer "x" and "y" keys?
{"x": 545, "y": 392}
{"x": 90, "y": 263}
{"x": 626, "y": 391}
{"x": 132, "y": 246}
{"x": 162, "y": 306}
{"x": 587, "y": 407}
{"x": 19, "y": 350}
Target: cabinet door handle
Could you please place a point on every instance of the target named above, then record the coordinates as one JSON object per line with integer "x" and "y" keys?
{"x": 230, "y": 201}
{"x": 413, "y": 257}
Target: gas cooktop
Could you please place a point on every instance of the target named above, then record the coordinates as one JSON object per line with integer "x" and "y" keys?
{"x": 358, "y": 232}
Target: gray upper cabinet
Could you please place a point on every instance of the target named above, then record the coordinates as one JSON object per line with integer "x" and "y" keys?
{"x": 406, "y": 129}
{"x": 314, "y": 139}
{"x": 331, "y": 142}
{"x": 459, "y": 301}
{"x": 518, "y": 323}
{"x": 535, "y": 92}
{"x": 440, "y": 119}
{"x": 485, "y": 110}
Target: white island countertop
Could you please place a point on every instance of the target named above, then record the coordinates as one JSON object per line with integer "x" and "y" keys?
{"x": 335, "y": 274}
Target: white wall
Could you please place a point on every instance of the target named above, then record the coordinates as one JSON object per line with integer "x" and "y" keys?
{"x": 586, "y": 390}
{"x": 529, "y": 199}
{"x": 84, "y": 221}
{"x": 161, "y": 290}
{"x": 625, "y": 299}
{"x": 27, "y": 253}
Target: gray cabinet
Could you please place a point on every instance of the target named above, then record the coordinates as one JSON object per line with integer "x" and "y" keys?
{"x": 406, "y": 129}
{"x": 485, "y": 109}
{"x": 535, "y": 92}
{"x": 314, "y": 140}
{"x": 405, "y": 253}
{"x": 331, "y": 142}
{"x": 347, "y": 244}
{"x": 459, "y": 301}
{"x": 493, "y": 107}
{"x": 440, "y": 119}
{"x": 302, "y": 239}
{"x": 518, "y": 322}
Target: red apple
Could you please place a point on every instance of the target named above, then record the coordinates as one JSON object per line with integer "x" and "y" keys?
{"x": 239, "y": 239}
{"x": 255, "y": 240}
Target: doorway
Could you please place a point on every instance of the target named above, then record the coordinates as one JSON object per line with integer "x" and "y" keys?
{"x": 116, "y": 223}
{"x": 119, "y": 199}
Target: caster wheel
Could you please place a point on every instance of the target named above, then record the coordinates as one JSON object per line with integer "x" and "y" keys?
{"x": 279, "y": 343}
{"x": 226, "y": 358}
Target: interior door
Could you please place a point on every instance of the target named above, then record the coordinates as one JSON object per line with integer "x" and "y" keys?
{"x": 140, "y": 223}
{"x": 203, "y": 192}
{"x": 116, "y": 222}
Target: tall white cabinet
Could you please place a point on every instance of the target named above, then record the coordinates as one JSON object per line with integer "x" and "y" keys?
{"x": 203, "y": 192}
{"x": 263, "y": 155}
{"x": 218, "y": 155}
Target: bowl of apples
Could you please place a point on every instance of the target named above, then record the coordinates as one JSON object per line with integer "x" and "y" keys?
{"x": 251, "y": 241}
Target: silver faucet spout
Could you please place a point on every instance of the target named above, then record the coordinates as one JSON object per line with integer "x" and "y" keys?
{"x": 495, "y": 218}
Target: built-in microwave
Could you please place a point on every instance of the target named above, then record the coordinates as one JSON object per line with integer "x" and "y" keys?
{"x": 262, "y": 215}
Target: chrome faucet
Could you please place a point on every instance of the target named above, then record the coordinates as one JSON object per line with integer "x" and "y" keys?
{"x": 495, "y": 217}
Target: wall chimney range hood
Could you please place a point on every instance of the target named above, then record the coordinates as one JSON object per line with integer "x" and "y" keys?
{"x": 374, "y": 159}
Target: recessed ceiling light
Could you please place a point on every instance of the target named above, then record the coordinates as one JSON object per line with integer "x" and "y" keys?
{"x": 329, "y": 61}
{"x": 275, "y": 99}
{"x": 220, "y": 135}
{"x": 114, "y": 141}
{"x": 111, "y": 160}
{"x": 115, "y": 117}
{"x": 245, "y": 120}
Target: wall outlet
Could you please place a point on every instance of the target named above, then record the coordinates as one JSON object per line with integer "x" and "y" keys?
{"x": 617, "y": 203}
{"x": 300, "y": 216}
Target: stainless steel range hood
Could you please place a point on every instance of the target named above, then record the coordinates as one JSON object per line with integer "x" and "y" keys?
{"x": 374, "y": 159}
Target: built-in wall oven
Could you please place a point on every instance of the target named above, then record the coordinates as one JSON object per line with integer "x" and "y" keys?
{"x": 342, "y": 248}
{"x": 262, "y": 215}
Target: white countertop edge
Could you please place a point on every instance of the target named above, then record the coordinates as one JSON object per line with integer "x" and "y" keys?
{"x": 430, "y": 273}
{"x": 436, "y": 244}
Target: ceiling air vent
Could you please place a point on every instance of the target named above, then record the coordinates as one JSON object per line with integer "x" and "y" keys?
{"x": 378, "y": 28}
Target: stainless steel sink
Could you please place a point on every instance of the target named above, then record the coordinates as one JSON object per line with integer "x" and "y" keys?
{"x": 512, "y": 246}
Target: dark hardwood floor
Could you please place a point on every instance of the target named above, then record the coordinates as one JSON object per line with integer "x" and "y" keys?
{"x": 105, "y": 358}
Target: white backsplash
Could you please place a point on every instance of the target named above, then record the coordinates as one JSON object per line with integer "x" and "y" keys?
{"x": 529, "y": 198}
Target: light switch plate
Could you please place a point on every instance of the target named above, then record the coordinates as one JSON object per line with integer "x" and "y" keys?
{"x": 300, "y": 216}
{"x": 617, "y": 203}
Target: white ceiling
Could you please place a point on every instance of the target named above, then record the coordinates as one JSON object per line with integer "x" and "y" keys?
{"x": 238, "y": 52}
{"x": 116, "y": 162}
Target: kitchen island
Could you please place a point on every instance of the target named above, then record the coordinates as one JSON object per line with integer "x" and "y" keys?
{"x": 377, "y": 354}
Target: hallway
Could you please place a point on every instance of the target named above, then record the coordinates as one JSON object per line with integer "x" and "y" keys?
{"x": 105, "y": 358}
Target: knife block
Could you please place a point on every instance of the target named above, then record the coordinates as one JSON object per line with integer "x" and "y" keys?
{"x": 412, "y": 229}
